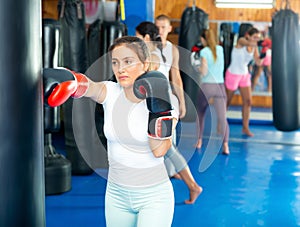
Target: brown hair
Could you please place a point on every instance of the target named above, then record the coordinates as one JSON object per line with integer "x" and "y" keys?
{"x": 148, "y": 28}
{"x": 251, "y": 31}
{"x": 134, "y": 43}
{"x": 210, "y": 38}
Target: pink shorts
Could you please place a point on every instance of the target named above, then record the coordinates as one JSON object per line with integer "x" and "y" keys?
{"x": 267, "y": 60}
{"x": 234, "y": 81}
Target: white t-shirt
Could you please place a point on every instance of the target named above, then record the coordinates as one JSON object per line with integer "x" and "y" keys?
{"x": 131, "y": 161}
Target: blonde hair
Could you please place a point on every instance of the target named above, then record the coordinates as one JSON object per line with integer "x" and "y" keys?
{"x": 163, "y": 17}
{"x": 210, "y": 38}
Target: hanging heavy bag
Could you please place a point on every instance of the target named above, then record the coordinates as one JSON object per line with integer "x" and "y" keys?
{"x": 101, "y": 34}
{"x": 285, "y": 70}
{"x": 193, "y": 21}
{"x": 226, "y": 39}
{"x": 21, "y": 157}
{"x": 88, "y": 132}
{"x": 73, "y": 35}
{"x": 57, "y": 167}
{"x": 74, "y": 57}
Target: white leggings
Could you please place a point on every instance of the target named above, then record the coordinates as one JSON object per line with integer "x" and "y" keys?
{"x": 141, "y": 207}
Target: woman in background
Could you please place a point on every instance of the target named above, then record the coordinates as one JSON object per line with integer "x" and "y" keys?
{"x": 212, "y": 86}
{"x": 266, "y": 48}
{"x": 237, "y": 75}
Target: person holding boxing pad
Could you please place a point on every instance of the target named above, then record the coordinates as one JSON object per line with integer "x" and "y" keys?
{"x": 176, "y": 164}
{"x": 139, "y": 119}
{"x": 266, "y": 49}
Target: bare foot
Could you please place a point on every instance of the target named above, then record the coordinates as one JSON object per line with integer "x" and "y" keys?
{"x": 194, "y": 193}
{"x": 177, "y": 176}
{"x": 199, "y": 144}
{"x": 225, "y": 149}
{"x": 247, "y": 132}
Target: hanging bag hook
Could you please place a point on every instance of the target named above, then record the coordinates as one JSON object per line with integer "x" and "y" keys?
{"x": 193, "y": 6}
{"x": 287, "y": 4}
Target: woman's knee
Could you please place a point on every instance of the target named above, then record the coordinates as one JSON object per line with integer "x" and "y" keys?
{"x": 247, "y": 102}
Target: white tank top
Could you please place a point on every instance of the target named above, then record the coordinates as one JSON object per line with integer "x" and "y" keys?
{"x": 168, "y": 53}
{"x": 163, "y": 67}
{"x": 240, "y": 58}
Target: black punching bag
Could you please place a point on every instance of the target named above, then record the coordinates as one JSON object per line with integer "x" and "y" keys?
{"x": 91, "y": 141}
{"x": 57, "y": 167}
{"x": 226, "y": 39}
{"x": 22, "y": 191}
{"x": 193, "y": 21}
{"x": 285, "y": 70}
{"x": 74, "y": 57}
{"x": 101, "y": 35}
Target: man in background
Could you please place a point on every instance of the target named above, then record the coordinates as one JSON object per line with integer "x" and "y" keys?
{"x": 171, "y": 53}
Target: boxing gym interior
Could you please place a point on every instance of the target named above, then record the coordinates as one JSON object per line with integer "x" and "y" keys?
{"x": 48, "y": 178}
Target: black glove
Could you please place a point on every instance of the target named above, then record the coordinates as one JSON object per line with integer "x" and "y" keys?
{"x": 154, "y": 87}
{"x": 260, "y": 42}
{"x": 262, "y": 55}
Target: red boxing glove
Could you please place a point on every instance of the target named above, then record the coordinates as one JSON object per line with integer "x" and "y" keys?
{"x": 197, "y": 47}
{"x": 60, "y": 84}
{"x": 267, "y": 43}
